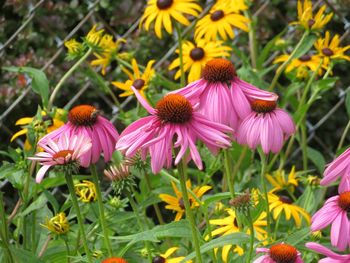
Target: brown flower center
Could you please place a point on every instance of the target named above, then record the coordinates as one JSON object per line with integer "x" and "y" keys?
{"x": 305, "y": 58}
{"x": 174, "y": 108}
{"x": 219, "y": 69}
{"x": 311, "y": 22}
{"x": 235, "y": 223}
{"x": 263, "y": 106}
{"x": 83, "y": 115}
{"x": 344, "y": 201}
{"x": 197, "y": 53}
{"x": 138, "y": 83}
{"x": 283, "y": 253}
{"x": 164, "y": 4}
{"x": 217, "y": 15}
{"x": 158, "y": 259}
{"x": 327, "y": 52}
{"x": 285, "y": 199}
{"x": 181, "y": 203}
{"x": 62, "y": 154}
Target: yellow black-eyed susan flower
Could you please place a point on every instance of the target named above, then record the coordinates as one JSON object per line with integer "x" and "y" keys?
{"x": 164, "y": 11}
{"x": 94, "y": 36}
{"x": 41, "y": 126}
{"x": 221, "y": 20}
{"x": 106, "y": 52}
{"x": 308, "y": 20}
{"x": 329, "y": 49}
{"x": 75, "y": 48}
{"x": 302, "y": 64}
{"x": 279, "y": 203}
{"x": 279, "y": 181}
{"x": 57, "y": 224}
{"x": 136, "y": 79}
{"x": 176, "y": 203}
{"x": 196, "y": 55}
{"x": 229, "y": 225}
{"x": 86, "y": 191}
{"x": 165, "y": 258}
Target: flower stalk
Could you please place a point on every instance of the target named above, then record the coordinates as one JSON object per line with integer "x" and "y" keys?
{"x": 70, "y": 185}
{"x": 101, "y": 209}
{"x": 66, "y": 76}
{"x": 189, "y": 215}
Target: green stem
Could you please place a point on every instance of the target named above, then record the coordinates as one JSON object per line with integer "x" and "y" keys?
{"x": 252, "y": 235}
{"x": 106, "y": 87}
{"x": 67, "y": 247}
{"x": 276, "y": 226}
{"x": 70, "y": 185}
{"x": 101, "y": 209}
{"x": 303, "y": 140}
{"x": 285, "y": 63}
{"x": 66, "y": 76}
{"x": 139, "y": 222}
{"x": 343, "y": 136}
{"x": 4, "y": 230}
{"x": 252, "y": 39}
{"x": 189, "y": 215}
{"x": 266, "y": 196}
{"x": 228, "y": 173}
{"x": 302, "y": 114}
{"x": 179, "y": 39}
{"x": 207, "y": 222}
{"x": 155, "y": 206}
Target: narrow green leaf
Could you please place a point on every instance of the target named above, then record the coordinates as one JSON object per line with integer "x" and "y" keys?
{"x": 305, "y": 45}
{"x": 317, "y": 158}
{"x": 235, "y": 238}
{"x": 40, "y": 83}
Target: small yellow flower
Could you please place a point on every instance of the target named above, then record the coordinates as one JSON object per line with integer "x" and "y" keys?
{"x": 176, "y": 203}
{"x": 94, "y": 37}
{"x": 165, "y": 257}
{"x": 136, "y": 79}
{"x": 74, "y": 47}
{"x": 228, "y": 225}
{"x": 278, "y": 203}
{"x": 330, "y": 49}
{"x": 195, "y": 56}
{"x": 57, "y": 224}
{"x": 279, "y": 182}
{"x": 164, "y": 11}
{"x": 86, "y": 191}
{"x": 311, "y": 62}
{"x": 222, "y": 17}
{"x": 107, "y": 50}
{"x": 41, "y": 127}
{"x": 306, "y": 18}
{"x": 313, "y": 180}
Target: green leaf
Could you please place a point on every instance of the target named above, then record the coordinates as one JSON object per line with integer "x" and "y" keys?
{"x": 215, "y": 198}
{"x": 317, "y": 158}
{"x": 235, "y": 238}
{"x": 347, "y": 102}
{"x": 305, "y": 45}
{"x": 156, "y": 234}
{"x": 22, "y": 255}
{"x": 37, "y": 204}
{"x": 266, "y": 50}
{"x": 40, "y": 83}
{"x": 296, "y": 237}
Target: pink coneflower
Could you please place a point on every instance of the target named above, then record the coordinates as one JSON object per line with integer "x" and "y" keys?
{"x": 335, "y": 212}
{"x": 67, "y": 150}
{"x": 340, "y": 167}
{"x": 279, "y": 253}
{"x": 267, "y": 126}
{"x": 174, "y": 117}
{"x": 222, "y": 96}
{"x": 331, "y": 257}
{"x": 84, "y": 120}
